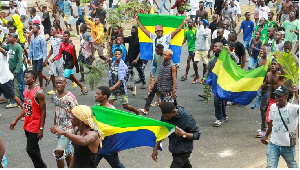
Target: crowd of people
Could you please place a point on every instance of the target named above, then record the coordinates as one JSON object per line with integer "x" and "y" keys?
{"x": 22, "y": 47}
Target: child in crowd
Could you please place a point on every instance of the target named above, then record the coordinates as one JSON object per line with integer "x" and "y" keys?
{"x": 255, "y": 45}
{"x": 118, "y": 44}
{"x": 278, "y": 45}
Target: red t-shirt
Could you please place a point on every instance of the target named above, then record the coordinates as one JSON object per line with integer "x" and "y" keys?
{"x": 33, "y": 112}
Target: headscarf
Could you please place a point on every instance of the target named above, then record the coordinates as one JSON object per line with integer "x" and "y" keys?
{"x": 84, "y": 113}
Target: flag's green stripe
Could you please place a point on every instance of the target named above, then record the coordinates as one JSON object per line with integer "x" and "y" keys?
{"x": 164, "y": 20}
{"x": 235, "y": 71}
{"x": 118, "y": 118}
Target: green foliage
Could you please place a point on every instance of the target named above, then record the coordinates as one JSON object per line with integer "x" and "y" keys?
{"x": 94, "y": 73}
{"x": 118, "y": 15}
{"x": 289, "y": 65}
{"x": 185, "y": 6}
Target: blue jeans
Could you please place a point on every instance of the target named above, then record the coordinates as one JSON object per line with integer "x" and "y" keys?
{"x": 288, "y": 154}
{"x": 153, "y": 70}
{"x": 112, "y": 159}
{"x": 247, "y": 45}
{"x": 252, "y": 62}
{"x": 163, "y": 4}
{"x": 21, "y": 85}
{"x": 219, "y": 108}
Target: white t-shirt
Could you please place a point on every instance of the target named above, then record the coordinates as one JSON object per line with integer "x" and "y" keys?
{"x": 234, "y": 11}
{"x": 280, "y": 136}
{"x": 12, "y": 11}
{"x": 21, "y": 7}
{"x": 225, "y": 35}
{"x": 164, "y": 40}
{"x": 36, "y": 17}
{"x": 194, "y": 6}
{"x": 263, "y": 12}
{"x": 5, "y": 75}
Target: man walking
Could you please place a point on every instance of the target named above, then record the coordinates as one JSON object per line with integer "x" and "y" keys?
{"x": 38, "y": 53}
{"x": 64, "y": 101}
{"x": 101, "y": 96}
{"x": 67, "y": 51}
{"x": 35, "y": 115}
{"x": 283, "y": 122}
{"x": 248, "y": 28}
{"x": 180, "y": 142}
{"x": 86, "y": 141}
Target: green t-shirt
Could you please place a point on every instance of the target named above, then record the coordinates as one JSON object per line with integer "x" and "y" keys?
{"x": 288, "y": 25}
{"x": 15, "y": 59}
{"x": 190, "y": 35}
{"x": 271, "y": 24}
{"x": 263, "y": 34}
{"x": 157, "y": 61}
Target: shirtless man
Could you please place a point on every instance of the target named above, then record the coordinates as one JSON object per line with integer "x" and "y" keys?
{"x": 286, "y": 8}
{"x": 200, "y": 14}
{"x": 265, "y": 88}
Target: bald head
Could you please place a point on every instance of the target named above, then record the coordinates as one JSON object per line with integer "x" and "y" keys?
{"x": 60, "y": 77}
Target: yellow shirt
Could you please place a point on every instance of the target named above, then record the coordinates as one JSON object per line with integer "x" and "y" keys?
{"x": 96, "y": 30}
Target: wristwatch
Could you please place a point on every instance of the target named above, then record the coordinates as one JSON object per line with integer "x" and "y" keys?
{"x": 41, "y": 128}
{"x": 184, "y": 135}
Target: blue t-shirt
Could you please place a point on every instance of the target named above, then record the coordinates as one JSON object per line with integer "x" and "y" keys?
{"x": 247, "y": 27}
{"x": 4, "y": 162}
{"x": 80, "y": 12}
{"x": 67, "y": 7}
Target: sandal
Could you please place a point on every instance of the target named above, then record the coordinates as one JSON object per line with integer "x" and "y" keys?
{"x": 183, "y": 78}
{"x": 47, "y": 82}
{"x": 260, "y": 134}
{"x": 145, "y": 112}
{"x": 146, "y": 97}
{"x": 155, "y": 104}
{"x": 84, "y": 92}
{"x": 81, "y": 80}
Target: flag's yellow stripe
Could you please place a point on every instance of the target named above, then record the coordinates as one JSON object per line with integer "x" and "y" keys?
{"x": 226, "y": 82}
{"x": 176, "y": 40}
{"x": 159, "y": 131}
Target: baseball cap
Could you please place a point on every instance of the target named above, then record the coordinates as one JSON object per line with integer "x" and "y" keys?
{"x": 205, "y": 22}
{"x": 14, "y": 35}
{"x": 158, "y": 28}
{"x": 281, "y": 90}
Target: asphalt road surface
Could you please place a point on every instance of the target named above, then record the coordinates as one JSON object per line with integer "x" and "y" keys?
{"x": 233, "y": 145}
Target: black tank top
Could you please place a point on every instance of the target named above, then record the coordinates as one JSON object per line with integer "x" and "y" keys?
{"x": 83, "y": 157}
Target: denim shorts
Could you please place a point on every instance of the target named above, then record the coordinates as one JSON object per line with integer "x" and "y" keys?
{"x": 247, "y": 45}
{"x": 68, "y": 72}
{"x": 252, "y": 62}
{"x": 80, "y": 20}
{"x": 37, "y": 65}
{"x": 288, "y": 153}
{"x": 63, "y": 144}
{"x": 208, "y": 3}
{"x": 191, "y": 53}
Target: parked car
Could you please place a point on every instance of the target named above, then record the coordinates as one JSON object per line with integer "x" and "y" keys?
{"x": 5, "y": 3}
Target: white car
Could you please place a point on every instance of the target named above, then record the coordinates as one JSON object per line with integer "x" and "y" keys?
{"x": 5, "y": 3}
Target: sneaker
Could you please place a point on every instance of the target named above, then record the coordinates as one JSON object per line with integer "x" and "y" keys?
{"x": 74, "y": 85}
{"x": 196, "y": 79}
{"x": 133, "y": 90}
{"x": 11, "y": 105}
{"x": 225, "y": 119}
{"x": 143, "y": 86}
{"x": 50, "y": 92}
{"x": 218, "y": 123}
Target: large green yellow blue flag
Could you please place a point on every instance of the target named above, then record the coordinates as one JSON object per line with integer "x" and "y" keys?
{"x": 124, "y": 130}
{"x": 170, "y": 23}
{"x": 232, "y": 83}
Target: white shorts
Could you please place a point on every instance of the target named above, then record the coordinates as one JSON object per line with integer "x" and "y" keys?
{"x": 56, "y": 68}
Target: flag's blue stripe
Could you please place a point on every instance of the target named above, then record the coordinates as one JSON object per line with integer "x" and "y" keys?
{"x": 243, "y": 98}
{"x": 127, "y": 140}
{"x": 176, "y": 53}
{"x": 147, "y": 52}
